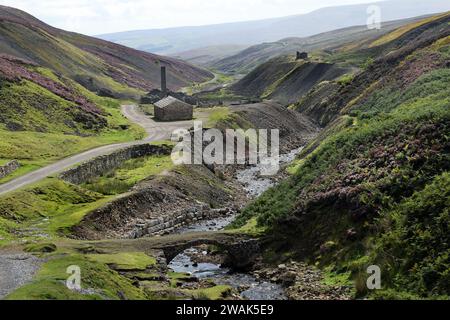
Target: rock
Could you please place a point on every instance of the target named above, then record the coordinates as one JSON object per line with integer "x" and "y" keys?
{"x": 288, "y": 279}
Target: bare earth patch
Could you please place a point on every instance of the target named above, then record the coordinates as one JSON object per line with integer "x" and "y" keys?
{"x": 16, "y": 269}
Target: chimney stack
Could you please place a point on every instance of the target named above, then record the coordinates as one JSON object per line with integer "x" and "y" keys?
{"x": 163, "y": 80}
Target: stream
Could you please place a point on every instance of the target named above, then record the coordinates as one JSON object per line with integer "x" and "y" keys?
{"x": 249, "y": 287}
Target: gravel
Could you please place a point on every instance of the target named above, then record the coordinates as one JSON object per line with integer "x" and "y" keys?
{"x": 16, "y": 270}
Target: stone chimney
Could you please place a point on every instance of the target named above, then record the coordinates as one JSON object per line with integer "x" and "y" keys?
{"x": 163, "y": 80}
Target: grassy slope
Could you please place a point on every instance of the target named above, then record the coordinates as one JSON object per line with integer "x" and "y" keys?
{"x": 109, "y": 275}
{"x": 52, "y": 206}
{"x": 96, "y": 63}
{"x": 130, "y": 173}
{"x": 375, "y": 191}
{"x": 46, "y": 109}
{"x": 285, "y": 79}
{"x": 250, "y": 58}
{"x": 49, "y": 129}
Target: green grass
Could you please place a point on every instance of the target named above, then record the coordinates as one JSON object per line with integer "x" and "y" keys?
{"x": 345, "y": 79}
{"x": 213, "y": 293}
{"x": 56, "y": 206}
{"x": 414, "y": 250}
{"x": 251, "y": 227}
{"x": 40, "y": 248}
{"x": 333, "y": 279}
{"x": 220, "y": 95}
{"x": 148, "y": 109}
{"x": 25, "y": 167}
{"x": 214, "y": 115}
{"x": 22, "y": 103}
{"x": 402, "y": 30}
{"x": 52, "y": 204}
{"x": 219, "y": 78}
{"x": 125, "y": 261}
{"x": 103, "y": 283}
{"x": 384, "y": 175}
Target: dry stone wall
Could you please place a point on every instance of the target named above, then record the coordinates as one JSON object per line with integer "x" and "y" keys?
{"x": 9, "y": 168}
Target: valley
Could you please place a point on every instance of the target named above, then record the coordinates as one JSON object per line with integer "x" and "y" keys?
{"x": 363, "y": 119}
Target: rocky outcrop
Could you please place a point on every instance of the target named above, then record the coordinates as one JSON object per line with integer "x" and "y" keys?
{"x": 304, "y": 282}
{"x": 9, "y": 168}
{"x": 103, "y": 164}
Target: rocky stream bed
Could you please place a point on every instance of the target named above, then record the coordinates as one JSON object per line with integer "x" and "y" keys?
{"x": 287, "y": 281}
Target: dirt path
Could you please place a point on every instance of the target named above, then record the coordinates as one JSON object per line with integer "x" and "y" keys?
{"x": 155, "y": 132}
{"x": 16, "y": 269}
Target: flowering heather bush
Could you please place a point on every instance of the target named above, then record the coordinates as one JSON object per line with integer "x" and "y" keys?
{"x": 15, "y": 69}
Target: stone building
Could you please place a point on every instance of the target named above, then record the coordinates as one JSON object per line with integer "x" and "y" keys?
{"x": 172, "y": 109}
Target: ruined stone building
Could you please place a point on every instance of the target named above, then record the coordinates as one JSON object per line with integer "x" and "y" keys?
{"x": 172, "y": 109}
{"x": 302, "y": 55}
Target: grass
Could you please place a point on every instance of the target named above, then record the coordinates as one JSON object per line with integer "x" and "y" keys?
{"x": 213, "y": 293}
{"x": 125, "y": 261}
{"x": 97, "y": 279}
{"x": 129, "y": 174}
{"x": 220, "y": 95}
{"x": 148, "y": 109}
{"x": 345, "y": 79}
{"x": 46, "y": 136}
{"x": 402, "y": 30}
{"x": 25, "y": 167}
{"x": 111, "y": 275}
{"x": 251, "y": 227}
{"x": 56, "y": 206}
{"x": 52, "y": 204}
{"x": 219, "y": 79}
{"x": 383, "y": 176}
{"x": 215, "y": 115}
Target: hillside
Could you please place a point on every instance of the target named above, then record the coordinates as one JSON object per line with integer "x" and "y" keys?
{"x": 285, "y": 80}
{"x": 248, "y": 59}
{"x": 96, "y": 64}
{"x": 207, "y": 56}
{"x": 374, "y": 188}
{"x": 174, "y": 40}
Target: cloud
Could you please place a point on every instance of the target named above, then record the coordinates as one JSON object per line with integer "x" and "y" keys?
{"x": 106, "y": 16}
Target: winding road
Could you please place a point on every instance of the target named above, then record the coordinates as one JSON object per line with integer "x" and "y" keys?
{"x": 156, "y": 131}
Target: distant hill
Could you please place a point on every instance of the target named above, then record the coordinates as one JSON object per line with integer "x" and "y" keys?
{"x": 96, "y": 64}
{"x": 248, "y": 59}
{"x": 174, "y": 40}
{"x": 57, "y": 89}
{"x": 207, "y": 56}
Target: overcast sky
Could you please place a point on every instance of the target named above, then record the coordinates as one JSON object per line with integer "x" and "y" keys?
{"x": 94, "y": 17}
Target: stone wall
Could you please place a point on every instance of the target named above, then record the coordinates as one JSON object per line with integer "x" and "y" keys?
{"x": 169, "y": 223}
{"x": 147, "y": 212}
{"x": 103, "y": 164}
{"x": 9, "y": 168}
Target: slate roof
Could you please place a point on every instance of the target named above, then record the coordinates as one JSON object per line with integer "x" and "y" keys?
{"x": 163, "y": 103}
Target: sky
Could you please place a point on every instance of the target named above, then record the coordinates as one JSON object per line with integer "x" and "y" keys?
{"x": 94, "y": 17}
